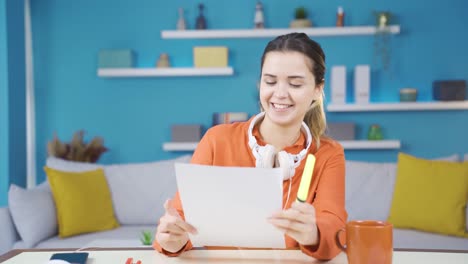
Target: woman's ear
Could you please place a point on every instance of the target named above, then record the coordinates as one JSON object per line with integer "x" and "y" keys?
{"x": 318, "y": 91}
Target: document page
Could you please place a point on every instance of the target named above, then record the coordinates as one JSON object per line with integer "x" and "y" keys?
{"x": 229, "y": 206}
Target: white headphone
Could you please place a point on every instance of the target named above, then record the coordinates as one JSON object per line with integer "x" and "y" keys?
{"x": 265, "y": 156}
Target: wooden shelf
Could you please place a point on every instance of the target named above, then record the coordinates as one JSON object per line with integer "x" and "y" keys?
{"x": 263, "y": 33}
{"x": 347, "y": 144}
{"x": 163, "y": 72}
{"x": 406, "y": 106}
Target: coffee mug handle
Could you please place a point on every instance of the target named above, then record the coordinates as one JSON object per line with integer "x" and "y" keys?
{"x": 337, "y": 240}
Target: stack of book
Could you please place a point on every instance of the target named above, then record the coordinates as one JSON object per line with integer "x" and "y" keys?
{"x": 229, "y": 117}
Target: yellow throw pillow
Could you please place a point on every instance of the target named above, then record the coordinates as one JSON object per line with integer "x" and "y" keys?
{"x": 430, "y": 195}
{"x": 83, "y": 201}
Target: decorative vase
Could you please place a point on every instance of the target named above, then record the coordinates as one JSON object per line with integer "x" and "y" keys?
{"x": 300, "y": 23}
{"x": 163, "y": 61}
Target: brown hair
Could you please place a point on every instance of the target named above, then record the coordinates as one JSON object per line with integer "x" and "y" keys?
{"x": 300, "y": 42}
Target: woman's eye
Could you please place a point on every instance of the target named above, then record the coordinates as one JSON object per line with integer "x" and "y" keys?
{"x": 270, "y": 82}
{"x": 296, "y": 85}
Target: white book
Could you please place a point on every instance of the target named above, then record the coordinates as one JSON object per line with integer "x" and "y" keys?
{"x": 338, "y": 84}
{"x": 362, "y": 84}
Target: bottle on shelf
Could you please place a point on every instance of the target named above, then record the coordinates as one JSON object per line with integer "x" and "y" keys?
{"x": 259, "y": 20}
{"x": 201, "y": 21}
{"x": 340, "y": 17}
{"x": 181, "y": 25}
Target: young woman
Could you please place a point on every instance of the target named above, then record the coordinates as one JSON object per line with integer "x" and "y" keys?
{"x": 291, "y": 125}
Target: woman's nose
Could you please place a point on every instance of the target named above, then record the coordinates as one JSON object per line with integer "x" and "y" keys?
{"x": 281, "y": 90}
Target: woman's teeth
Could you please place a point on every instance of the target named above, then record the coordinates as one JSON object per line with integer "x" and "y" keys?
{"x": 280, "y": 106}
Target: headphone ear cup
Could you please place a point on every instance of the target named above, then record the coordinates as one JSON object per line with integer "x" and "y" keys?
{"x": 266, "y": 157}
{"x": 286, "y": 163}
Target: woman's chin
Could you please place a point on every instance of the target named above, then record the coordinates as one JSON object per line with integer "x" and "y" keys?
{"x": 280, "y": 117}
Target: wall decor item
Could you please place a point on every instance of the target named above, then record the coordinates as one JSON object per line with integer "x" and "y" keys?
{"x": 201, "y": 20}
{"x": 259, "y": 20}
{"x": 408, "y": 94}
{"x": 210, "y": 56}
{"x": 229, "y": 117}
{"x": 449, "y": 90}
{"x": 77, "y": 149}
{"x": 340, "y": 17}
{"x": 382, "y": 19}
{"x": 362, "y": 84}
{"x": 342, "y": 130}
{"x": 338, "y": 84}
{"x": 116, "y": 58}
{"x": 382, "y": 51}
{"x": 186, "y": 133}
{"x": 375, "y": 132}
{"x": 163, "y": 61}
{"x": 181, "y": 25}
{"x": 301, "y": 20}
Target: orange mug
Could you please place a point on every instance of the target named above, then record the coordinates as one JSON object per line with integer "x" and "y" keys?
{"x": 367, "y": 242}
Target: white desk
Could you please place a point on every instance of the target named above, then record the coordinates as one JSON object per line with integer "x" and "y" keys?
{"x": 149, "y": 256}
{"x": 115, "y": 243}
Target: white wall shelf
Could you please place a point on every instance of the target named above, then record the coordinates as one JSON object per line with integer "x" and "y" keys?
{"x": 163, "y": 72}
{"x": 370, "y": 144}
{"x": 406, "y": 106}
{"x": 263, "y": 33}
{"x": 180, "y": 146}
{"x": 347, "y": 144}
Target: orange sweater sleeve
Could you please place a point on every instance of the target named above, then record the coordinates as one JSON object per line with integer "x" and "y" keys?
{"x": 330, "y": 210}
{"x": 202, "y": 155}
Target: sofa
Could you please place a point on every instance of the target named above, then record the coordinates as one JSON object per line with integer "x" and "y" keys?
{"x": 30, "y": 219}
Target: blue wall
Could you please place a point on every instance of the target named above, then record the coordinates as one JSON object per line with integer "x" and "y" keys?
{"x": 12, "y": 97}
{"x": 134, "y": 115}
{"x": 3, "y": 105}
{"x": 17, "y": 92}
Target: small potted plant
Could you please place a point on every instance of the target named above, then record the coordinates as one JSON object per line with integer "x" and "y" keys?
{"x": 146, "y": 238}
{"x": 301, "y": 20}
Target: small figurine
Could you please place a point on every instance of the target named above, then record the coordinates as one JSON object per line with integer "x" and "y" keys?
{"x": 163, "y": 61}
{"x": 181, "y": 21}
{"x": 340, "y": 17}
{"x": 201, "y": 21}
{"x": 259, "y": 21}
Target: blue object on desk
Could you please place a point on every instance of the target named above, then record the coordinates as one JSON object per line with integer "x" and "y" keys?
{"x": 116, "y": 58}
{"x": 71, "y": 257}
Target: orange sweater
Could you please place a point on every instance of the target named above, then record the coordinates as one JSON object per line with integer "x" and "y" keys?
{"x": 227, "y": 145}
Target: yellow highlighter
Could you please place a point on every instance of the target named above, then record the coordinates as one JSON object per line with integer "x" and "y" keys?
{"x": 306, "y": 179}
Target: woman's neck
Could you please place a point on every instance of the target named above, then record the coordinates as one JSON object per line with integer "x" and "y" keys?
{"x": 279, "y": 136}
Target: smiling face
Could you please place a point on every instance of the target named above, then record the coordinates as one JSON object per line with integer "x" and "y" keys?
{"x": 287, "y": 87}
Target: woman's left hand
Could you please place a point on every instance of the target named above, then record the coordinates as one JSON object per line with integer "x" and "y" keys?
{"x": 298, "y": 222}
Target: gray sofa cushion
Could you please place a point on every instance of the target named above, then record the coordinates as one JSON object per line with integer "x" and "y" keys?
{"x": 140, "y": 189}
{"x": 406, "y": 238}
{"x": 33, "y": 212}
{"x": 131, "y": 233}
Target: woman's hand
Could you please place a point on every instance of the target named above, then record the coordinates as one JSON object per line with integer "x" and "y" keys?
{"x": 298, "y": 222}
{"x": 172, "y": 232}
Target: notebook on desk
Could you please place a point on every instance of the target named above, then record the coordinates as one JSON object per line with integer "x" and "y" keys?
{"x": 72, "y": 257}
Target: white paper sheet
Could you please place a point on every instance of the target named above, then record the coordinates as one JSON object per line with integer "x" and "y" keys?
{"x": 229, "y": 206}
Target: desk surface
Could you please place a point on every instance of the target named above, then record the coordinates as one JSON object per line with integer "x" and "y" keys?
{"x": 149, "y": 256}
